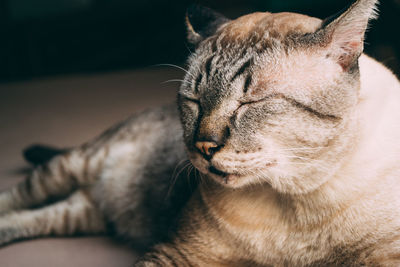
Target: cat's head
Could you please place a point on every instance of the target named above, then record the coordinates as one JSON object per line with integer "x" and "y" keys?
{"x": 269, "y": 98}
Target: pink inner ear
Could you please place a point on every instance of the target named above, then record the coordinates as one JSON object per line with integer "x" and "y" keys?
{"x": 354, "y": 45}
{"x": 346, "y": 60}
{"x": 347, "y": 32}
{"x": 350, "y": 40}
{"x": 349, "y": 50}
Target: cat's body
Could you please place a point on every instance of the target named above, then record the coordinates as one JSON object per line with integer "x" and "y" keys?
{"x": 295, "y": 136}
{"x": 352, "y": 220}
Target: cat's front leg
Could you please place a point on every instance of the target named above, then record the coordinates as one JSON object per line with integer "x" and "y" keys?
{"x": 198, "y": 241}
{"x": 171, "y": 255}
{"x": 165, "y": 255}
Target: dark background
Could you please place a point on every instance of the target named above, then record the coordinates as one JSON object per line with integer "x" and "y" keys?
{"x": 53, "y": 37}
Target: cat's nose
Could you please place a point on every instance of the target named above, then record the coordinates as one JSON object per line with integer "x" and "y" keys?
{"x": 207, "y": 148}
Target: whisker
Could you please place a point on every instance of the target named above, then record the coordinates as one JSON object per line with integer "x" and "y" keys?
{"x": 174, "y": 179}
{"x": 187, "y": 47}
{"x": 177, "y": 165}
{"x": 188, "y": 172}
{"x": 302, "y": 148}
{"x": 204, "y": 180}
{"x": 175, "y": 66}
{"x": 178, "y": 80}
{"x": 303, "y": 158}
{"x": 186, "y": 166}
{"x": 195, "y": 177}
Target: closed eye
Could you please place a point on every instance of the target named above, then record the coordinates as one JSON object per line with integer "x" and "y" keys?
{"x": 189, "y": 98}
{"x": 273, "y": 108}
{"x": 192, "y": 100}
{"x": 294, "y": 103}
{"x": 193, "y": 103}
{"x": 243, "y": 103}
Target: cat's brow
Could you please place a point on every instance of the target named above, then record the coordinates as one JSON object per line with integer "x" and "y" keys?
{"x": 207, "y": 66}
{"x": 242, "y": 69}
{"x": 247, "y": 83}
{"x": 197, "y": 82}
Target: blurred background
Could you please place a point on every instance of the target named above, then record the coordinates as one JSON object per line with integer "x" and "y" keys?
{"x": 53, "y": 37}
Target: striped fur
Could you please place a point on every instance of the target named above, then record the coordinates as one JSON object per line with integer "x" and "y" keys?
{"x": 57, "y": 179}
{"x": 74, "y": 215}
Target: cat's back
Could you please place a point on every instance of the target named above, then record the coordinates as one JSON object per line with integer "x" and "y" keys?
{"x": 378, "y": 109}
{"x": 374, "y": 168}
{"x": 377, "y": 78}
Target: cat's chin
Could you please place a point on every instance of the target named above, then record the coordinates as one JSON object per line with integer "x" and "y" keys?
{"x": 230, "y": 180}
{"x": 214, "y": 173}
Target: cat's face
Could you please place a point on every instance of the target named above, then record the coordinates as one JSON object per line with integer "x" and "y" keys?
{"x": 263, "y": 103}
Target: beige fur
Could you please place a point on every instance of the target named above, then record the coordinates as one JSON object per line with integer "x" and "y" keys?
{"x": 359, "y": 203}
{"x": 354, "y": 217}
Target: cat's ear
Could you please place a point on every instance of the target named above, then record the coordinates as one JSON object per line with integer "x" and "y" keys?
{"x": 344, "y": 33}
{"x": 202, "y": 22}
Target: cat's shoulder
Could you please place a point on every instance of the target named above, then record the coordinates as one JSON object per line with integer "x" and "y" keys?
{"x": 375, "y": 74}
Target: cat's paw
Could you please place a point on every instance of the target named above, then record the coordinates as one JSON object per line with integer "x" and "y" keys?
{"x": 10, "y": 229}
{"x": 6, "y": 203}
{"x": 8, "y": 235}
{"x": 41, "y": 154}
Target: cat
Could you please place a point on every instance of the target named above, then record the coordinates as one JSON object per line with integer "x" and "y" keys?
{"x": 293, "y": 133}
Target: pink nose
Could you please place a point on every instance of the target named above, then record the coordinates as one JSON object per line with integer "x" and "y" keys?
{"x": 207, "y": 148}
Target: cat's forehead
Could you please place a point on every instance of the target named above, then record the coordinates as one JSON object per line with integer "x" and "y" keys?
{"x": 251, "y": 36}
{"x": 249, "y": 55}
{"x": 276, "y": 25}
